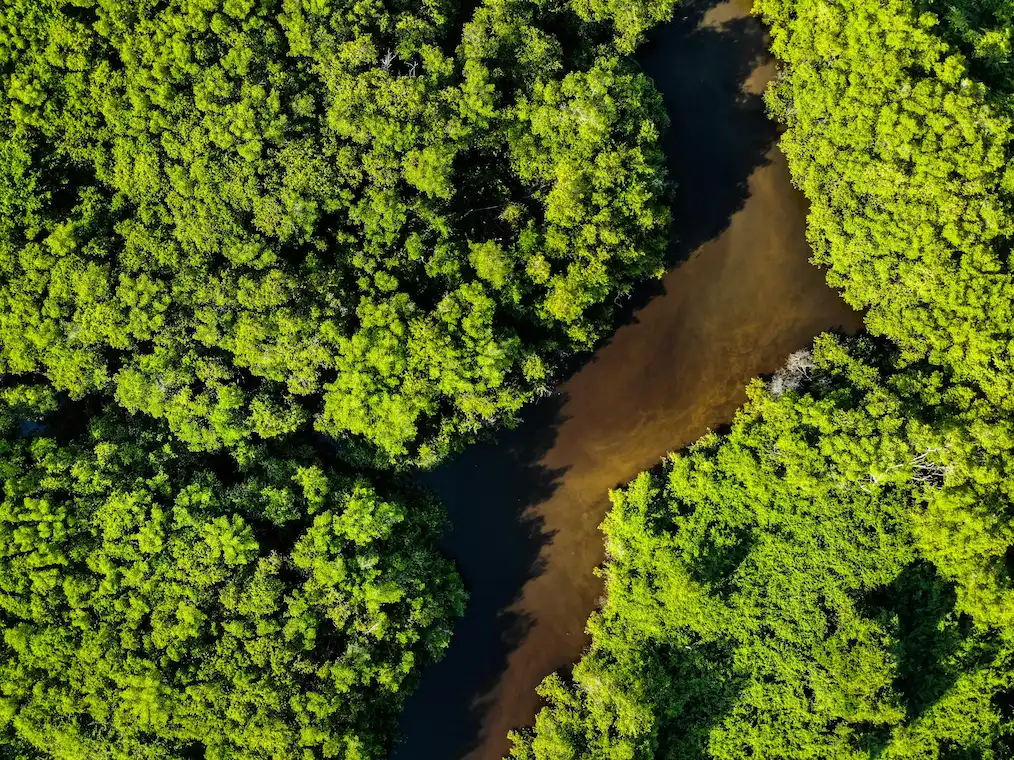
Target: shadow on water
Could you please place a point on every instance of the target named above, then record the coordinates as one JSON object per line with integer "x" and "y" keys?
{"x": 719, "y": 133}
{"x": 496, "y": 541}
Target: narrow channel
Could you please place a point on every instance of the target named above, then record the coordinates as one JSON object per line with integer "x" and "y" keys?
{"x": 740, "y": 296}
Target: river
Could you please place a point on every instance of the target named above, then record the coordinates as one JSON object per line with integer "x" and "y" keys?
{"x": 740, "y": 296}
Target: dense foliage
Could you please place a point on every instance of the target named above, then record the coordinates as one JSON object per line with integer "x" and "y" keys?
{"x": 157, "y": 605}
{"x": 236, "y": 216}
{"x": 826, "y": 581}
{"x": 983, "y": 31}
{"x": 905, "y": 158}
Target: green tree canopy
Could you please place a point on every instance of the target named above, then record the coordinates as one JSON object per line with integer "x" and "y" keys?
{"x": 906, "y": 159}
{"x": 239, "y": 215}
{"x": 157, "y": 605}
{"x": 828, "y": 580}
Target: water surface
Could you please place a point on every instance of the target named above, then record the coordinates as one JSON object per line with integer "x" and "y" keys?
{"x": 741, "y": 295}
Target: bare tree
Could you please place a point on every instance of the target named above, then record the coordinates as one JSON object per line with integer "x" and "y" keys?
{"x": 388, "y": 59}
{"x": 793, "y": 374}
{"x": 924, "y": 469}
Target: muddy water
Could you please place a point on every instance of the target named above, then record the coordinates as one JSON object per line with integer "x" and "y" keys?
{"x": 740, "y": 296}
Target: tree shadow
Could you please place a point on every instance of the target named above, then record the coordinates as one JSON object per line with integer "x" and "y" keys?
{"x": 1003, "y": 703}
{"x": 933, "y": 650}
{"x": 699, "y": 690}
{"x": 917, "y": 609}
{"x": 720, "y": 555}
{"x": 719, "y": 133}
{"x": 496, "y": 543}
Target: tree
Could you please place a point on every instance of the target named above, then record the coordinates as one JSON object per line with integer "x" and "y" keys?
{"x": 156, "y": 604}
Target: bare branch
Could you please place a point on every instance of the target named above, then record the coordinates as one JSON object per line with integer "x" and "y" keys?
{"x": 793, "y": 374}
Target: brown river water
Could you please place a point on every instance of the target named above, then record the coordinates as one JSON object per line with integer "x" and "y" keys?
{"x": 740, "y": 296}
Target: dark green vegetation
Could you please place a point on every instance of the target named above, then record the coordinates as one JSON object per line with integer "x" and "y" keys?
{"x": 155, "y": 604}
{"x": 390, "y": 219}
{"x": 833, "y": 578}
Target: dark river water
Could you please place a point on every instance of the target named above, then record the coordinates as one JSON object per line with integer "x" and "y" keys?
{"x": 739, "y": 297}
